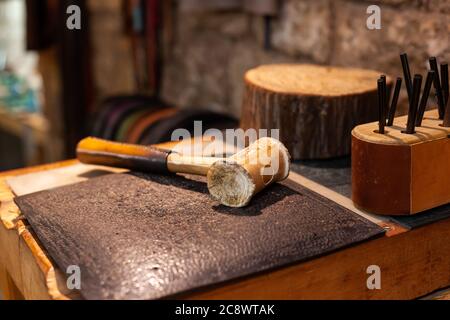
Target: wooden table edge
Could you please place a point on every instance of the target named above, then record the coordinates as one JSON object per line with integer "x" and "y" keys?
{"x": 337, "y": 275}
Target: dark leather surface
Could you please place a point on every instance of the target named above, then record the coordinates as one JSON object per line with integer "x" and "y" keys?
{"x": 139, "y": 236}
{"x": 335, "y": 174}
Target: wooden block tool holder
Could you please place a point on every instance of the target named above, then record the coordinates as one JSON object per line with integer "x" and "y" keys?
{"x": 401, "y": 174}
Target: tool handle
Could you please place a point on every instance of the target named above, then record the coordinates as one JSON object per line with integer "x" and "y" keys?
{"x": 192, "y": 165}
{"x": 134, "y": 157}
{"x": 140, "y": 158}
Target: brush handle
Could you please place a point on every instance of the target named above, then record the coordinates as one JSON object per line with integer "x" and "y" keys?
{"x": 140, "y": 158}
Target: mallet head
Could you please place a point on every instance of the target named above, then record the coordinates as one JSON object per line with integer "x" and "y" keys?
{"x": 235, "y": 180}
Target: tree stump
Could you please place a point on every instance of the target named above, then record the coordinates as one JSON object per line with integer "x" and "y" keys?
{"x": 314, "y": 107}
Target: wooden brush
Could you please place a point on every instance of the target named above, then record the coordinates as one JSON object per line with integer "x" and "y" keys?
{"x": 232, "y": 181}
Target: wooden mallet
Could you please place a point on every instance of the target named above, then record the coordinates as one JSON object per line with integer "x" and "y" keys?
{"x": 232, "y": 181}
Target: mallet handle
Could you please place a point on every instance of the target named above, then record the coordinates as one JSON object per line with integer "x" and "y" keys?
{"x": 140, "y": 158}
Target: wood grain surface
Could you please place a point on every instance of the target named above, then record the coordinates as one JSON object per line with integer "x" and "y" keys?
{"x": 430, "y": 130}
{"x": 314, "y": 107}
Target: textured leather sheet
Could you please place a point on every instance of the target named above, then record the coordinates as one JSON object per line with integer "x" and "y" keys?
{"x": 139, "y": 236}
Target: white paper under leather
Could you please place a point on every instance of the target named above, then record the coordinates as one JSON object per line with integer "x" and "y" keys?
{"x": 49, "y": 179}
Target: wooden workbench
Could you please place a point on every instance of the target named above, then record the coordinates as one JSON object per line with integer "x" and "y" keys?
{"x": 413, "y": 263}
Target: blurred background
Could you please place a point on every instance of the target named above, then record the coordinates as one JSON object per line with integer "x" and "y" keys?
{"x": 137, "y": 69}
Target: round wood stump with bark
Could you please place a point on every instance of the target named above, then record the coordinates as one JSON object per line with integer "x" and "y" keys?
{"x": 314, "y": 107}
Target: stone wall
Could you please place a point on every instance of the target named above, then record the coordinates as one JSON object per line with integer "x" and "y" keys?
{"x": 112, "y": 61}
{"x": 207, "y": 53}
{"x": 210, "y": 51}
